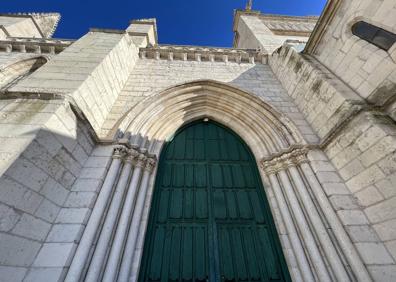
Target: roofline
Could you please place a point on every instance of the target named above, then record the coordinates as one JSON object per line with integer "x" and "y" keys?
{"x": 238, "y": 13}
{"x": 325, "y": 19}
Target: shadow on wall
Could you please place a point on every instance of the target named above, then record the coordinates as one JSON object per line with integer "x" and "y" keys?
{"x": 44, "y": 149}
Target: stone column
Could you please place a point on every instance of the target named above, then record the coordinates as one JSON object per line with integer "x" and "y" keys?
{"x": 82, "y": 253}
{"x": 316, "y": 258}
{"x": 298, "y": 249}
{"x": 124, "y": 222}
{"x": 117, "y": 201}
{"x": 129, "y": 250}
{"x": 318, "y": 225}
{"x": 312, "y": 211}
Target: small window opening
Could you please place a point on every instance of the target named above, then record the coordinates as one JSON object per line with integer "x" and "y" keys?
{"x": 375, "y": 35}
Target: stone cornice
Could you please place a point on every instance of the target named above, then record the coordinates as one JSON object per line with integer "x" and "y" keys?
{"x": 325, "y": 18}
{"x": 35, "y": 17}
{"x": 34, "y": 45}
{"x": 209, "y": 54}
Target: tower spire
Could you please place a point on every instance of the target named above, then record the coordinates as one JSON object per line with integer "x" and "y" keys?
{"x": 249, "y": 5}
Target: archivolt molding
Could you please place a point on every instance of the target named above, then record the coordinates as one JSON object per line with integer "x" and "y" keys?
{"x": 158, "y": 117}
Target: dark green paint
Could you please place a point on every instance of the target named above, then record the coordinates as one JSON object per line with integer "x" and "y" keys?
{"x": 210, "y": 219}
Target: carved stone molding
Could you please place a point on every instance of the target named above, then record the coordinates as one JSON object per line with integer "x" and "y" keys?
{"x": 34, "y": 45}
{"x": 132, "y": 156}
{"x": 119, "y": 152}
{"x": 150, "y": 164}
{"x": 202, "y": 54}
{"x": 295, "y": 156}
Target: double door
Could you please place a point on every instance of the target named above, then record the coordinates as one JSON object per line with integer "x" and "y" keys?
{"x": 209, "y": 219}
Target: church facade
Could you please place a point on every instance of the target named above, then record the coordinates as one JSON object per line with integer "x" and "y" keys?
{"x": 122, "y": 159}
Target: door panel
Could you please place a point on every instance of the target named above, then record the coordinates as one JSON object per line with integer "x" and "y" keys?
{"x": 210, "y": 219}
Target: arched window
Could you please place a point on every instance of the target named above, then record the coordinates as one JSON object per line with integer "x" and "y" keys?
{"x": 379, "y": 37}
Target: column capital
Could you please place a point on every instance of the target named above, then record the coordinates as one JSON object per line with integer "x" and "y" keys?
{"x": 141, "y": 160}
{"x": 282, "y": 161}
{"x": 132, "y": 156}
{"x": 119, "y": 152}
{"x": 150, "y": 164}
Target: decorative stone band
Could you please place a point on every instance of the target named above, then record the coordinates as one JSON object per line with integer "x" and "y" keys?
{"x": 209, "y": 54}
{"x": 34, "y": 45}
{"x": 294, "y": 156}
{"x": 136, "y": 158}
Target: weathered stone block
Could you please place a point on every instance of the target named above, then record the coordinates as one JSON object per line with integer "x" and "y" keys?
{"x": 15, "y": 195}
{"x": 386, "y": 230}
{"x": 335, "y": 189}
{"x": 374, "y": 253}
{"x": 55, "y": 255}
{"x": 53, "y": 274}
{"x": 352, "y": 217}
{"x": 14, "y": 274}
{"x": 65, "y": 233}
{"x": 8, "y": 218}
{"x": 94, "y": 173}
{"x": 382, "y": 211}
{"x": 73, "y": 215}
{"x": 362, "y": 233}
{"x": 368, "y": 196}
{"x": 17, "y": 251}
{"x": 27, "y": 174}
{"x": 87, "y": 185}
{"x": 47, "y": 211}
{"x": 383, "y": 272}
{"x": 344, "y": 202}
{"x": 367, "y": 177}
{"x": 31, "y": 227}
{"x": 80, "y": 200}
{"x": 55, "y": 192}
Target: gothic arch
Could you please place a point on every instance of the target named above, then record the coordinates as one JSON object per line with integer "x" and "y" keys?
{"x": 264, "y": 129}
{"x": 300, "y": 207}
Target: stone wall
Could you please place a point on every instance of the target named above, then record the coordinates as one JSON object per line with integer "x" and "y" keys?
{"x": 150, "y": 77}
{"x": 92, "y": 72}
{"x": 367, "y": 69}
{"x": 44, "y": 148}
{"x": 254, "y": 34}
{"x": 360, "y": 142}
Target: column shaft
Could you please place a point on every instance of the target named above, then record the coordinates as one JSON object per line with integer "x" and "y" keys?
{"x": 88, "y": 237}
{"x": 102, "y": 246}
{"x": 293, "y": 235}
{"x": 122, "y": 229}
{"x": 317, "y": 261}
{"x": 317, "y": 223}
{"x": 134, "y": 228}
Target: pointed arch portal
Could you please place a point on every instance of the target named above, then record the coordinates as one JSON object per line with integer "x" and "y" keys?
{"x": 219, "y": 228}
{"x": 210, "y": 220}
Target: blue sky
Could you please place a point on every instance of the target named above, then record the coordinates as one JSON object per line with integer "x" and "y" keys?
{"x": 184, "y": 22}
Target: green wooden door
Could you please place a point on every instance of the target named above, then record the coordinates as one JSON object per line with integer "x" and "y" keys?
{"x": 210, "y": 220}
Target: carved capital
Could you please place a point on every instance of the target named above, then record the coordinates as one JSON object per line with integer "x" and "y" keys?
{"x": 119, "y": 152}
{"x": 141, "y": 160}
{"x": 150, "y": 164}
{"x": 293, "y": 157}
{"x": 132, "y": 156}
